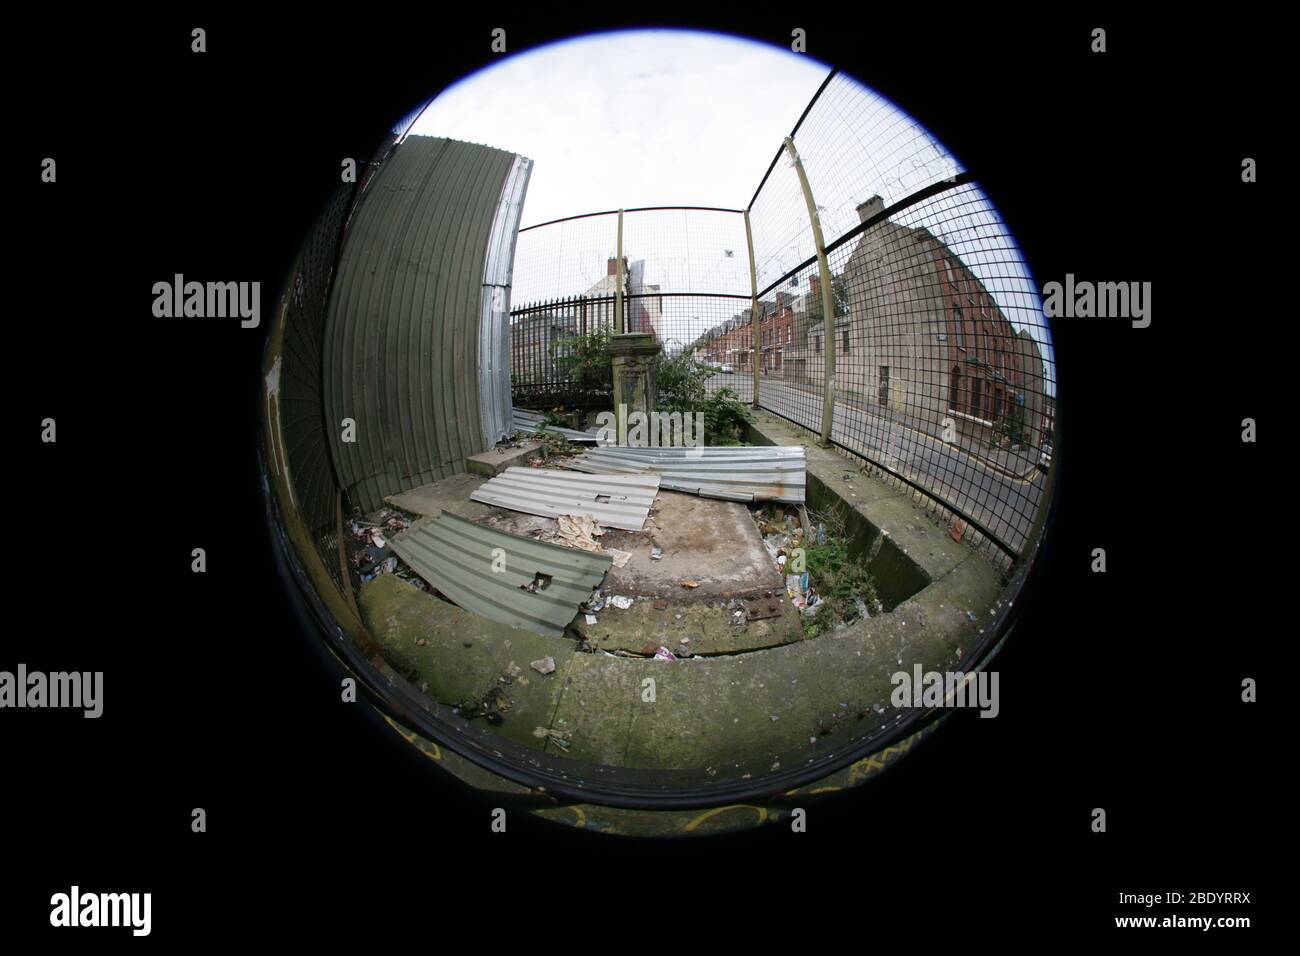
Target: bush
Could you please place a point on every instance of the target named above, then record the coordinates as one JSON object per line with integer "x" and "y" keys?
{"x": 683, "y": 387}
{"x": 681, "y": 381}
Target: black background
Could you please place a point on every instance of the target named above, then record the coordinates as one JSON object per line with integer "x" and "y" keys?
{"x": 1119, "y": 690}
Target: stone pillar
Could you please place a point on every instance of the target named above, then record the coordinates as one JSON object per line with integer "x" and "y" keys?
{"x": 634, "y": 355}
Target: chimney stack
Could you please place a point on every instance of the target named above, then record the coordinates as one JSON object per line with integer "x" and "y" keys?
{"x": 872, "y": 207}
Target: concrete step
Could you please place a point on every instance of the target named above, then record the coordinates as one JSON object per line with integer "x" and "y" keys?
{"x": 496, "y": 460}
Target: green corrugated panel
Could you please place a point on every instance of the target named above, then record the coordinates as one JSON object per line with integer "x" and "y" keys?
{"x": 401, "y": 340}
{"x": 458, "y": 558}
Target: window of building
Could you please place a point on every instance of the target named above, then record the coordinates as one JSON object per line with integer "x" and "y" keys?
{"x": 957, "y": 321}
{"x": 844, "y": 341}
{"x": 883, "y": 390}
{"x": 954, "y": 388}
{"x": 817, "y": 344}
{"x": 975, "y": 384}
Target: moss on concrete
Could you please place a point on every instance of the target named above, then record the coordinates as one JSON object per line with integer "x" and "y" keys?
{"x": 643, "y": 628}
{"x": 742, "y": 712}
{"x": 464, "y": 657}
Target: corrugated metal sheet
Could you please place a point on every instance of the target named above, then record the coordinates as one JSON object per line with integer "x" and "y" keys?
{"x": 760, "y": 473}
{"x": 458, "y": 558}
{"x": 529, "y": 421}
{"x": 405, "y": 318}
{"x": 622, "y": 502}
{"x": 494, "y": 324}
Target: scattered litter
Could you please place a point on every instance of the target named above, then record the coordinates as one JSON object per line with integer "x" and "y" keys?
{"x": 544, "y": 666}
{"x": 621, "y": 558}
{"x": 738, "y": 617}
{"x": 862, "y": 608}
{"x": 575, "y": 531}
{"x": 558, "y": 737}
{"x": 690, "y": 584}
{"x": 656, "y": 554}
{"x": 970, "y": 616}
{"x": 591, "y": 619}
{"x": 621, "y": 602}
{"x": 664, "y": 654}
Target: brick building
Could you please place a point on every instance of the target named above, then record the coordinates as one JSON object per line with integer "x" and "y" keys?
{"x": 922, "y": 340}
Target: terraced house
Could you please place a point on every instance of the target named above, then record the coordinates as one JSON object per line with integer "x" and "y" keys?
{"x": 922, "y": 340}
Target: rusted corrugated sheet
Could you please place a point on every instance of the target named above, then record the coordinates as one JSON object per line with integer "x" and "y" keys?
{"x": 735, "y": 473}
{"x": 405, "y": 322}
{"x": 615, "y": 502}
{"x": 504, "y": 577}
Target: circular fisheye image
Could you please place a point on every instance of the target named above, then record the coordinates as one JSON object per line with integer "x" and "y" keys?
{"x": 659, "y": 430}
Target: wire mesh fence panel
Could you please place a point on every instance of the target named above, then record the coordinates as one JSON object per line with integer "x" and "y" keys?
{"x": 944, "y": 375}
{"x": 944, "y": 378}
{"x": 789, "y": 360}
{"x": 856, "y": 145}
{"x": 685, "y": 273}
{"x": 571, "y": 257}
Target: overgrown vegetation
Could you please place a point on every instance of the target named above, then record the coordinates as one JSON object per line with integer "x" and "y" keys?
{"x": 682, "y": 384}
{"x": 1012, "y": 427}
{"x": 554, "y": 445}
{"x": 841, "y": 580}
{"x": 683, "y": 387}
{"x": 585, "y": 359}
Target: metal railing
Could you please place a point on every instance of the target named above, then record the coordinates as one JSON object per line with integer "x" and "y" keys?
{"x": 937, "y": 372}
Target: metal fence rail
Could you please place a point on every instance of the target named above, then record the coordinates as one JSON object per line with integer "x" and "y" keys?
{"x": 936, "y": 371}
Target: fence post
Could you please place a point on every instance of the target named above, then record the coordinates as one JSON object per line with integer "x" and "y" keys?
{"x": 827, "y": 297}
{"x": 753, "y": 299}
{"x": 618, "y": 289}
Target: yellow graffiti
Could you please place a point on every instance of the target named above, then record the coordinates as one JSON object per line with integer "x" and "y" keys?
{"x": 877, "y": 762}
{"x": 426, "y": 747}
{"x": 761, "y": 811}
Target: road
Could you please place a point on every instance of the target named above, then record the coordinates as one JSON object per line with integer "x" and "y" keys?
{"x": 1004, "y": 504}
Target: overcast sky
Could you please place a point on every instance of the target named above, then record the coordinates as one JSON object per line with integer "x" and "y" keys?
{"x": 662, "y": 117}
{"x": 641, "y": 118}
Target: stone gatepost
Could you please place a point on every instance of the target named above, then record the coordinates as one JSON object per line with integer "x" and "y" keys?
{"x": 634, "y": 355}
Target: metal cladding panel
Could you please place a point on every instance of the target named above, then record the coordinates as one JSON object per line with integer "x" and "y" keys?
{"x": 461, "y": 559}
{"x": 762, "y": 473}
{"x": 616, "y": 502}
{"x": 523, "y": 420}
{"x": 494, "y": 325}
{"x": 404, "y": 321}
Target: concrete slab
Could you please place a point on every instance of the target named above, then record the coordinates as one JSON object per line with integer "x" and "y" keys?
{"x": 459, "y": 656}
{"x": 492, "y": 462}
{"x": 711, "y": 542}
{"x": 450, "y": 493}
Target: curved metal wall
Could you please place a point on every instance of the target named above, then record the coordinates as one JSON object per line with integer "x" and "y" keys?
{"x": 403, "y": 331}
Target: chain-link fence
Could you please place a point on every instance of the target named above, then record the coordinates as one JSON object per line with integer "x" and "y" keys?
{"x": 937, "y": 363}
